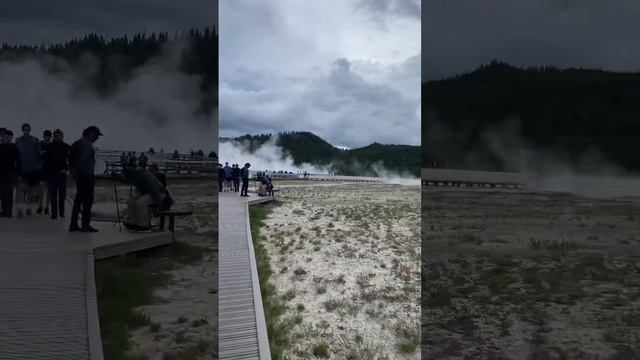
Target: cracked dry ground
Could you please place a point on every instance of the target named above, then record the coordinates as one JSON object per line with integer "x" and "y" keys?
{"x": 346, "y": 262}
{"x": 518, "y": 275}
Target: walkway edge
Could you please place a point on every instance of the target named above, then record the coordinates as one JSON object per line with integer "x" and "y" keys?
{"x": 93, "y": 320}
{"x": 261, "y": 326}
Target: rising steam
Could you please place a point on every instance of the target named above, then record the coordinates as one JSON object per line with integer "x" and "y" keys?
{"x": 271, "y": 157}
{"x": 156, "y": 108}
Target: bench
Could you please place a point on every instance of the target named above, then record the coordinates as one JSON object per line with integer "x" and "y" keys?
{"x": 171, "y": 214}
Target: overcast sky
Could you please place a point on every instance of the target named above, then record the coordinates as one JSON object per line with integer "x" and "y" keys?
{"x": 35, "y": 21}
{"x": 346, "y": 70}
{"x": 459, "y": 35}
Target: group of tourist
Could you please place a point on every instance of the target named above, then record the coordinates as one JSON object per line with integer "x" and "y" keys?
{"x": 229, "y": 180}
{"x": 34, "y": 172}
{"x": 130, "y": 160}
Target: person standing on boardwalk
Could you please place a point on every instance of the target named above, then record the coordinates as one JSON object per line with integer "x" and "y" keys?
{"x": 82, "y": 163}
{"x": 235, "y": 174}
{"x": 245, "y": 180}
{"x": 55, "y": 165}
{"x": 31, "y": 172}
{"x": 9, "y": 168}
{"x": 44, "y": 143}
{"x": 227, "y": 176}
{"x": 220, "y": 177}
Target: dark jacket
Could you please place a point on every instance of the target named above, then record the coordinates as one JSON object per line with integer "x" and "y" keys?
{"x": 145, "y": 182}
{"x": 56, "y": 157}
{"x": 163, "y": 179}
{"x": 82, "y": 157}
{"x": 9, "y": 159}
{"x": 245, "y": 173}
{"x": 235, "y": 173}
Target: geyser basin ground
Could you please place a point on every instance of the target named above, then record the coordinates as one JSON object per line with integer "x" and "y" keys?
{"x": 530, "y": 275}
{"x": 346, "y": 262}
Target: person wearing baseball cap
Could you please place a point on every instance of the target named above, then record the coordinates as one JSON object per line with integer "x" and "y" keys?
{"x": 245, "y": 180}
{"x": 82, "y": 163}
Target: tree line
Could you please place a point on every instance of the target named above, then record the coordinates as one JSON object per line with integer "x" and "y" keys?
{"x": 118, "y": 57}
{"x": 559, "y": 112}
{"x": 306, "y": 147}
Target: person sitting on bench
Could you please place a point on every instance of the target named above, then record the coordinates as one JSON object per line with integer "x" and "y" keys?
{"x": 148, "y": 192}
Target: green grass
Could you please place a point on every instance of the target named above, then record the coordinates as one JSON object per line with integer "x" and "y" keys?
{"x": 128, "y": 282}
{"x": 278, "y": 328}
{"x": 321, "y": 350}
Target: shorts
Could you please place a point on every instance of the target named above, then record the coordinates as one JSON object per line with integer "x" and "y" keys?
{"x": 33, "y": 178}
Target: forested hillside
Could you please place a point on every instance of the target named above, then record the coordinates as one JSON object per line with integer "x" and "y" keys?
{"x": 305, "y": 147}
{"x": 119, "y": 57}
{"x": 564, "y": 113}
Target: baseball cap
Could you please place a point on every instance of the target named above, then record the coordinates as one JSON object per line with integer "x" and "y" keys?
{"x": 93, "y": 129}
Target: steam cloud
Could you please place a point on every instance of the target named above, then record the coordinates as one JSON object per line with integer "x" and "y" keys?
{"x": 155, "y": 108}
{"x": 593, "y": 173}
{"x": 272, "y": 157}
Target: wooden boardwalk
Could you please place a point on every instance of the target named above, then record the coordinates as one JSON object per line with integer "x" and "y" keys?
{"x": 242, "y": 332}
{"x": 48, "y": 304}
{"x": 472, "y": 178}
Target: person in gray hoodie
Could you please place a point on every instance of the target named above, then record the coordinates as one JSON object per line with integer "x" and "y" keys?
{"x": 82, "y": 163}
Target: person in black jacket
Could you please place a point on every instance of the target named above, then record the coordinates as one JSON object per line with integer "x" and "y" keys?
{"x": 245, "y": 180}
{"x": 82, "y": 163}
{"x": 235, "y": 175}
{"x": 9, "y": 168}
{"x": 55, "y": 166}
{"x": 44, "y": 199}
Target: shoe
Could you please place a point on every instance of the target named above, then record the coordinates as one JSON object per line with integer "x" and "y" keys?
{"x": 39, "y": 211}
{"x": 28, "y": 212}
{"x": 53, "y": 217}
{"x": 88, "y": 229}
{"x": 74, "y": 228}
{"x": 46, "y": 211}
{"x": 20, "y": 214}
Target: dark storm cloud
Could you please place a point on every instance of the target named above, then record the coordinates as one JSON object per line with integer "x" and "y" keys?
{"x": 459, "y": 35}
{"x": 31, "y": 21}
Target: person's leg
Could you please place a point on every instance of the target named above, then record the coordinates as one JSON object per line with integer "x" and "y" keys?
{"x": 131, "y": 208}
{"x": 38, "y": 193}
{"x": 87, "y": 203}
{"x": 142, "y": 205}
{"x": 77, "y": 202}
{"x": 62, "y": 193}
{"x": 5, "y": 194}
{"x": 19, "y": 196}
{"x": 52, "y": 194}
{"x": 32, "y": 192}
{"x": 47, "y": 197}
